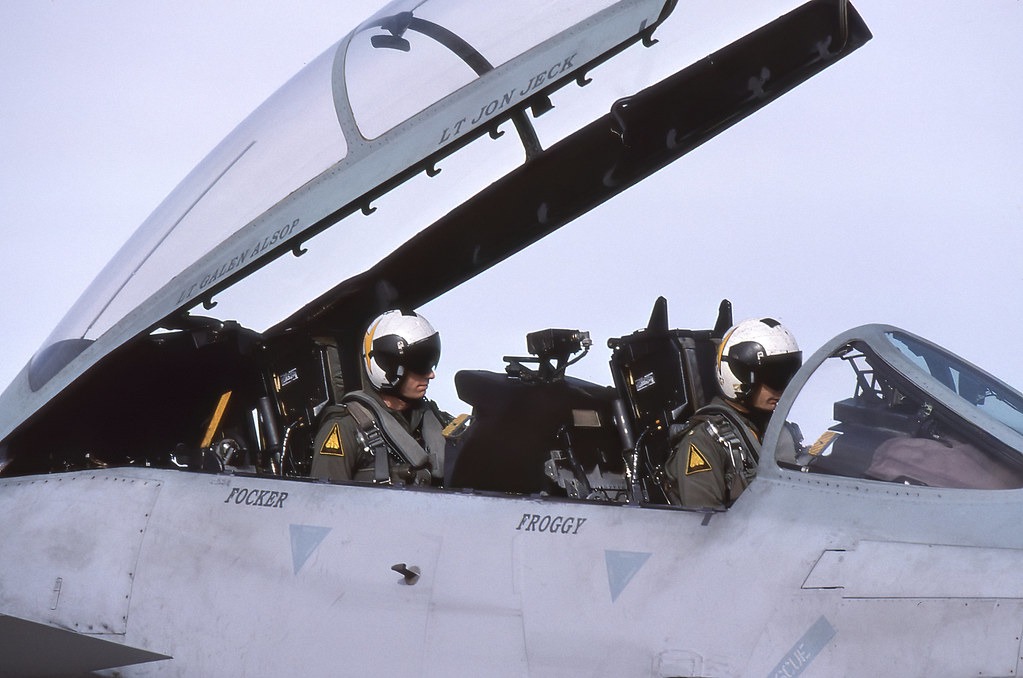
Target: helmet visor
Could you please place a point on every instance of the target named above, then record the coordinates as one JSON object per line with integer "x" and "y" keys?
{"x": 422, "y": 356}
{"x": 776, "y": 371}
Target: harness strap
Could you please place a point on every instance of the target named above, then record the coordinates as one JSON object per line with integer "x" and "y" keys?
{"x": 434, "y": 439}
{"x": 735, "y": 437}
{"x": 372, "y": 440}
{"x": 395, "y": 439}
{"x": 741, "y": 432}
{"x": 730, "y": 432}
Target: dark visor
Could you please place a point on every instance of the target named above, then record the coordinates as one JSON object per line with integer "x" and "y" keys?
{"x": 422, "y": 357}
{"x": 777, "y": 371}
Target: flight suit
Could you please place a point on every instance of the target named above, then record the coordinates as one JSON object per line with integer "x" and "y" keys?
{"x": 714, "y": 461}
{"x": 343, "y": 451}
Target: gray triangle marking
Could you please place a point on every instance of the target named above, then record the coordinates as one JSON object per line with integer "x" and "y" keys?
{"x": 622, "y": 566}
{"x": 304, "y": 540}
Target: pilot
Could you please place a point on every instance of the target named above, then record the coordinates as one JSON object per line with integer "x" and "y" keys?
{"x": 388, "y": 432}
{"x": 716, "y": 455}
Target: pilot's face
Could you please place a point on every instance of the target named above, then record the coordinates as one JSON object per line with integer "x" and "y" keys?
{"x": 413, "y": 385}
{"x": 765, "y": 398}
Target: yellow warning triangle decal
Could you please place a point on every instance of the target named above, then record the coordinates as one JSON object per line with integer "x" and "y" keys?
{"x": 696, "y": 462}
{"x": 332, "y": 445}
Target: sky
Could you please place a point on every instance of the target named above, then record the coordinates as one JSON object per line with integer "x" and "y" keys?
{"x": 886, "y": 189}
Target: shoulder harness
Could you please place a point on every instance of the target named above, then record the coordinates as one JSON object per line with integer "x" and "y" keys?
{"x": 731, "y": 433}
{"x": 381, "y": 433}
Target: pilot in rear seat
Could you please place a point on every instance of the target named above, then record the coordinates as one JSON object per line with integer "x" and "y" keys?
{"x": 717, "y": 454}
{"x": 390, "y": 432}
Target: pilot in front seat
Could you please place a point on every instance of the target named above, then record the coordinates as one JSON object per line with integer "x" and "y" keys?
{"x": 717, "y": 455}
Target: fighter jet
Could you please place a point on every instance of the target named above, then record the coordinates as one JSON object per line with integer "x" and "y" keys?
{"x": 155, "y": 454}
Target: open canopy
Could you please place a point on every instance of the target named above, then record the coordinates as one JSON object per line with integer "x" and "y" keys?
{"x": 411, "y": 85}
{"x": 394, "y": 92}
{"x": 406, "y": 87}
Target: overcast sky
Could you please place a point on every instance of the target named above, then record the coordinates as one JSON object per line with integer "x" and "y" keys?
{"x": 887, "y": 189}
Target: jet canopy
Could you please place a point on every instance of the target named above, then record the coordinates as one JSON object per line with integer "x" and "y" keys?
{"x": 408, "y": 86}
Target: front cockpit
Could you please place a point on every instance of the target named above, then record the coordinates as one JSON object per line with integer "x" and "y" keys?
{"x": 883, "y": 404}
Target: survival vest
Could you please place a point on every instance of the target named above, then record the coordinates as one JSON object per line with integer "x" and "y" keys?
{"x": 390, "y": 443}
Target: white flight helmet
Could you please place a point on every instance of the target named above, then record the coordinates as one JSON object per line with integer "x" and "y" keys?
{"x": 756, "y": 351}
{"x": 396, "y": 342}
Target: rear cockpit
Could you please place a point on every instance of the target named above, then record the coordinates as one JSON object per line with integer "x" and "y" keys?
{"x": 152, "y": 406}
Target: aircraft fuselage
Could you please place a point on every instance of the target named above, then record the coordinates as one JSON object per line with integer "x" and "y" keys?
{"x": 290, "y": 575}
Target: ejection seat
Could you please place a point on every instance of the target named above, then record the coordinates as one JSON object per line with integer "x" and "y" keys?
{"x": 528, "y": 422}
{"x": 541, "y": 431}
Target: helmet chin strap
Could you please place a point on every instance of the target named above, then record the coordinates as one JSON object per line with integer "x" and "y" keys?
{"x": 745, "y": 396}
{"x": 759, "y": 417}
{"x": 392, "y": 389}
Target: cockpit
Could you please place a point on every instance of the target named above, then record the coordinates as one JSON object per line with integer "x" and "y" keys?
{"x": 157, "y": 364}
{"x": 882, "y": 404}
{"x": 875, "y": 404}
